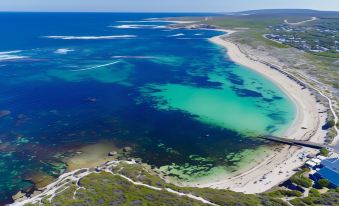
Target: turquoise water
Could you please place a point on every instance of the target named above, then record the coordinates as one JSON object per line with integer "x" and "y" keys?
{"x": 68, "y": 80}
{"x": 246, "y": 108}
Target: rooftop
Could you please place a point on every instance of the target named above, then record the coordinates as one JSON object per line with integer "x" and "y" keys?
{"x": 330, "y": 170}
{"x": 332, "y": 164}
{"x": 332, "y": 176}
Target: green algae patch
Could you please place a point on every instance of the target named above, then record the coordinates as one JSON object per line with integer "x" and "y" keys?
{"x": 202, "y": 170}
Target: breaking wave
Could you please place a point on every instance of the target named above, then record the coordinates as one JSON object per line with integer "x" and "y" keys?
{"x": 176, "y": 35}
{"x": 10, "y": 52}
{"x": 170, "y": 21}
{"x": 63, "y": 51}
{"x": 95, "y": 67}
{"x": 158, "y": 21}
{"x": 139, "y": 26}
{"x": 8, "y": 55}
{"x": 133, "y": 57}
{"x": 190, "y": 38}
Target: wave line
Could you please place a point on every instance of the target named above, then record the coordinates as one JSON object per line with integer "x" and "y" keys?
{"x": 95, "y": 67}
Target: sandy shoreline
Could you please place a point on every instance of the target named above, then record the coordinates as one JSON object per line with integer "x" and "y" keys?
{"x": 307, "y": 126}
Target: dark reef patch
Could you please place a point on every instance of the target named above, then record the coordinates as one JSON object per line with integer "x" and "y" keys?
{"x": 246, "y": 92}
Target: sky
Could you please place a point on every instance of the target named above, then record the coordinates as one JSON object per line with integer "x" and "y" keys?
{"x": 163, "y": 5}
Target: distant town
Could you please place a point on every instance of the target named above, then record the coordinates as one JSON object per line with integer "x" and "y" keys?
{"x": 310, "y": 37}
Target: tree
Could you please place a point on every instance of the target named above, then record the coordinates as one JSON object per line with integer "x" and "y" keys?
{"x": 331, "y": 123}
{"x": 300, "y": 178}
{"x": 324, "y": 152}
{"x": 323, "y": 183}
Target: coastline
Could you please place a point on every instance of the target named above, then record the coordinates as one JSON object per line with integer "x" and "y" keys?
{"x": 250, "y": 180}
{"x": 307, "y": 126}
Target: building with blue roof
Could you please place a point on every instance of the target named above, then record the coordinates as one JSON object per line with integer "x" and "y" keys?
{"x": 329, "y": 171}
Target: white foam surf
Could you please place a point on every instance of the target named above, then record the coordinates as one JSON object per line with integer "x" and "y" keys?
{"x": 137, "y": 26}
{"x": 170, "y": 21}
{"x": 160, "y": 27}
{"x": 63, "y": 51}
{"x": 8, "y": 55}
{"x": 156, "y": 20}
{"x": 143, "y": 21}
{"x": 91, "y": 37}
{"x": 176, "y": 35}
{"x": 190, "y": 38}
{"x": 95, "y": 67}
{"x": 133, "y": 57}
{"x": 10, "y": 52}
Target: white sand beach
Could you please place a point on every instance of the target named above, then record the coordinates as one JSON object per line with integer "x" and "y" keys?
{"x": 307, "y": 126}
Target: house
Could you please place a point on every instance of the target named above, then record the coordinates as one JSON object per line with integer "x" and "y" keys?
{"x": 321, "y": 157}
{"x": 310, "y": 164}
{"x": 329, "y": 171}
{"x": 316, "y": 161}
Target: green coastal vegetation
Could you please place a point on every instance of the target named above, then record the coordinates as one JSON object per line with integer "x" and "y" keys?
{"x": 315, "y": 198}
{"x": 323, "y": 183}
{"x": 325, "y": 152}
{"x": 301, "y": 178}
{"x": 114, "y": 188}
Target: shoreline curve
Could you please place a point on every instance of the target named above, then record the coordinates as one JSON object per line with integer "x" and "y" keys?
{"x": 306, "y": 126}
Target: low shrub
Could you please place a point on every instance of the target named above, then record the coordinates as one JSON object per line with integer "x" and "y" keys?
{"x": 285, "y": 193}
{"x": 323, "y": 183}
{"x": 325, "y": 152}
{"x": 314, "y": 193}
{"x": 300, "y": 179}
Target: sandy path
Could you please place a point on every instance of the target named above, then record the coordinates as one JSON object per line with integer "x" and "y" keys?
{"x": 300, "y": 22}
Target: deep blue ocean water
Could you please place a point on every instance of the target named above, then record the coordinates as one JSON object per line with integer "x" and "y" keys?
{"x": 71, "y": 79}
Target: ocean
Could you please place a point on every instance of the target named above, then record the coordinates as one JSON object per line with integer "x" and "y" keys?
{"x": 72, "y": 79}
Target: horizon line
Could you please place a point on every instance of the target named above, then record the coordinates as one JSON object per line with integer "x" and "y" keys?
{"x": 192, "y": 12}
